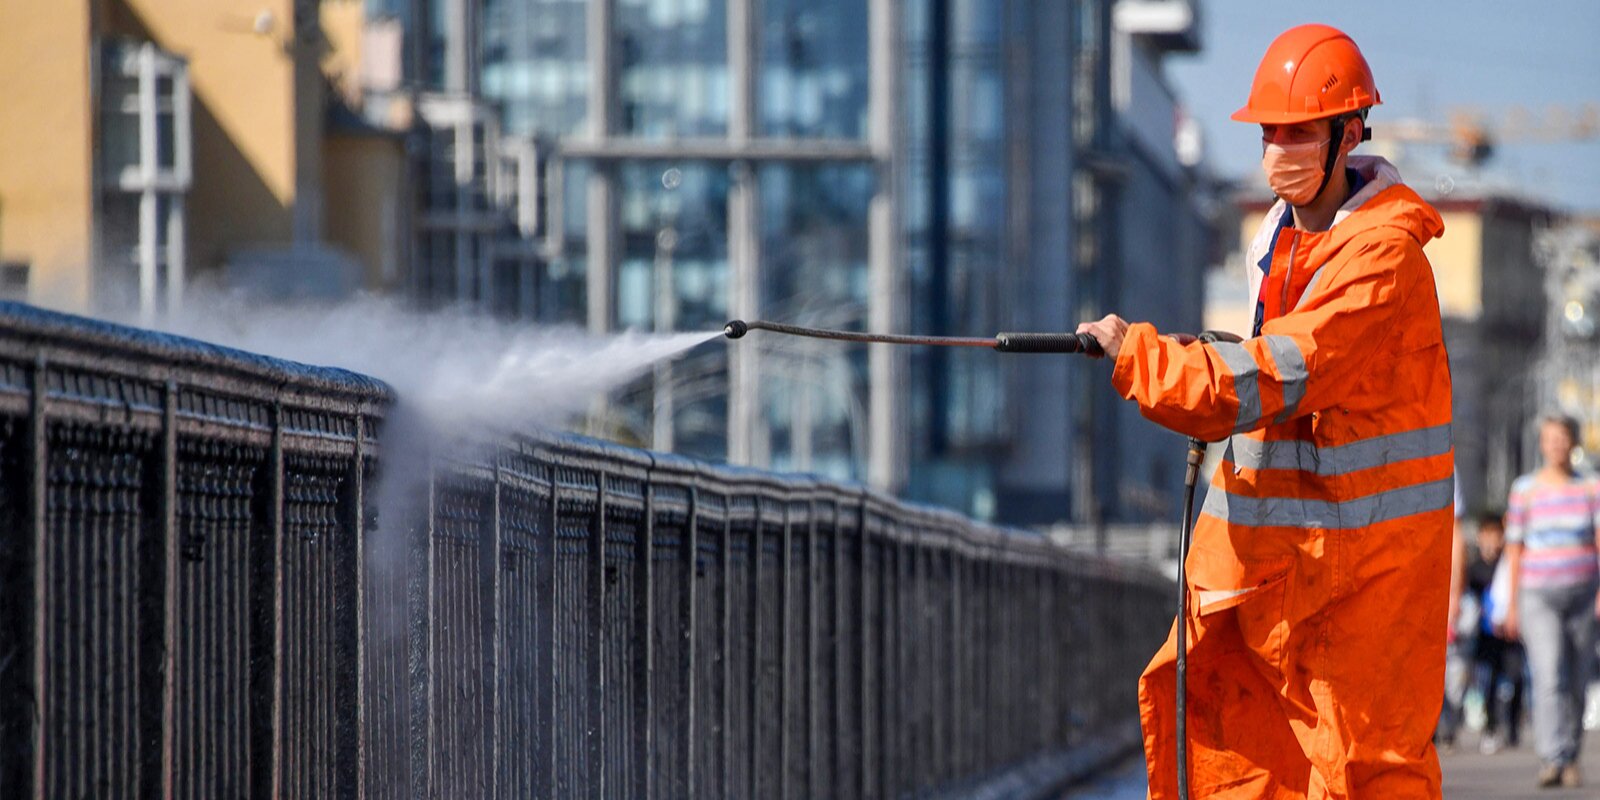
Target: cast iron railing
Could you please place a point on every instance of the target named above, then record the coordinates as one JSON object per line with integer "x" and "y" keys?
{"x": 205, "y": 597}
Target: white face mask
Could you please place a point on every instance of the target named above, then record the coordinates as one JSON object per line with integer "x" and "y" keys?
{"x": 1294, "y": 171}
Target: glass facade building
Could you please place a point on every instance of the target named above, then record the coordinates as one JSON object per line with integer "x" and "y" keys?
{"x": 672, "y": 265}
{"x": 956, "y": 183}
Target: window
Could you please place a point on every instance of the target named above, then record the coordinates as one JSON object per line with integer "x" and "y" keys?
{"x": 478, "y": 204}
{"x": 144, "y": 176}
{"x": 13, "y": 280}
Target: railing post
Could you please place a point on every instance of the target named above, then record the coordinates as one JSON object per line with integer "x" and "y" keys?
{"x": 810, "y": 666}
{"x": 782, "y": 659}
{"x": 753, "y": 598}
{"x": 424, "y": 655}
{"x": 492, "y": 562}
{"x": 864, "y": 633}
{"x": 889, "y": 654}
{"x": 725, "y": 627}
{"x": 955, "y": 753}
{"x": 891, "y": 685}
{"x": 691, "y": 628}
{"x": 275, "y": 571}
{"x": 838, "y": 699}
{"x": 548, "y": 610}
{"x": 169, "y": 585}
{"x": 39, "y": 507}
{"x": 358, "y": 492}
{"x": 595, "y": 744}
{"x": 644, "y": 654}
{"x": 1045, "y": 699}
{"x": 350, "y": 577}
{"x": 988, "y": 658}
{"x": 922, "y": 658}
{"x": 919, "y": 662}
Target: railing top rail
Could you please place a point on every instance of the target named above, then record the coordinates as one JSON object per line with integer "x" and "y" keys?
{"x": 111, "y": 341}
{"x": 928, "y": 522}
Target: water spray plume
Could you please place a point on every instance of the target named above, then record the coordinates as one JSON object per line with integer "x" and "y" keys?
{"x": 455, "y": 366}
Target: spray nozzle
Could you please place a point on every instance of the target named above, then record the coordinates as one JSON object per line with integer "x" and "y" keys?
{"x": 735, "y": 329}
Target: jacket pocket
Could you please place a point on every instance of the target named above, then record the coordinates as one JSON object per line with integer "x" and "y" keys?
{"x": 1258, "y": 609}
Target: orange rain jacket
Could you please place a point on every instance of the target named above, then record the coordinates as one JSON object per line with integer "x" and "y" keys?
{"x": 1320, "y": 562}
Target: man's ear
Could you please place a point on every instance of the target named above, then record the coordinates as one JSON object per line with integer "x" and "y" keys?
{"x": 1352, "y": 134}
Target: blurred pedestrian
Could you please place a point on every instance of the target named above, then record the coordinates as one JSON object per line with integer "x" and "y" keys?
{"x": 1551, "y": 547}
{"x": 1498, "y": 664}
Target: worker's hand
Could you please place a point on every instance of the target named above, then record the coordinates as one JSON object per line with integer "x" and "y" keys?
{"x": 1452, "y": 618}
{"x": 1108, "y": 332}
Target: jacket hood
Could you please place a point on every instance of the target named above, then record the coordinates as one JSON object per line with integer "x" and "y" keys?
{"x": 1385, "y": 201}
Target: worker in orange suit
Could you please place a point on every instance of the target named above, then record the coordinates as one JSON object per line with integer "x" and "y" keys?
{"x": 1320, "y": 565}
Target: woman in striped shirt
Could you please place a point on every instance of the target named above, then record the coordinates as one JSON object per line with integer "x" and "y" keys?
{"x": 1552, "y": 521}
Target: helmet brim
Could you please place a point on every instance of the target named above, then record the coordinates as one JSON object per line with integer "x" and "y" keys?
{"x": 1248, "y": 114}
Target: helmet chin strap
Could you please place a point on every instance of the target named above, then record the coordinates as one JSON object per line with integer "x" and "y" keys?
{"x": 1334, "y": 138}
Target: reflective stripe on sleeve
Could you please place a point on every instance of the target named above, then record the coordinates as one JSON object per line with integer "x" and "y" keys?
{"x": 1289, "y": 512}
{"x": 1291, "y": 366}
{"x": 1244, "y": 370}
{"x": 1377, "y": 451}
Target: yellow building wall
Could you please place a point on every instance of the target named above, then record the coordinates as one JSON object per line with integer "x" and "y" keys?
{"x": 1457, "y": 259}
{"x": 257, "y": 126}
{"x": 242, "y": 79}
{"x": 364, "y": 177}
{"x": 46, "y": 151}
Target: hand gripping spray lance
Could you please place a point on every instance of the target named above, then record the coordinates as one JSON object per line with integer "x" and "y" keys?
{"x": 1058, "y": 343}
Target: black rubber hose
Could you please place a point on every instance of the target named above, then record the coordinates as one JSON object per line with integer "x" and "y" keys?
{"x": 1196, "y": 454}
{"x": 1191, "y": 476}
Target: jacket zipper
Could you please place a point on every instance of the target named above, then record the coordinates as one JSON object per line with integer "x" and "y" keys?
{"x": 1288, "y": 273}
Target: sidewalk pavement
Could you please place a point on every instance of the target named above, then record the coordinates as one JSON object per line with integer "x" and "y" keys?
{"x": 1509, "y": 774}
{"x": 1468, "y": 775}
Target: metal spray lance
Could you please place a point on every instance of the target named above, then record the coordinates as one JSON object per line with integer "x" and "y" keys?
{"x": 1003, "y": 342}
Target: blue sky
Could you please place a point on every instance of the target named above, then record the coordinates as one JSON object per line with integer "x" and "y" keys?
{"x": 1429, "y": 57}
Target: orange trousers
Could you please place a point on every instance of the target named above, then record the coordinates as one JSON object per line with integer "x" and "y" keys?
{"x": 1324, "y": 681}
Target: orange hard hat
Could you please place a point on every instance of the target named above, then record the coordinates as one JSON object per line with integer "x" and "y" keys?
{"x": 1309, "y": 72}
